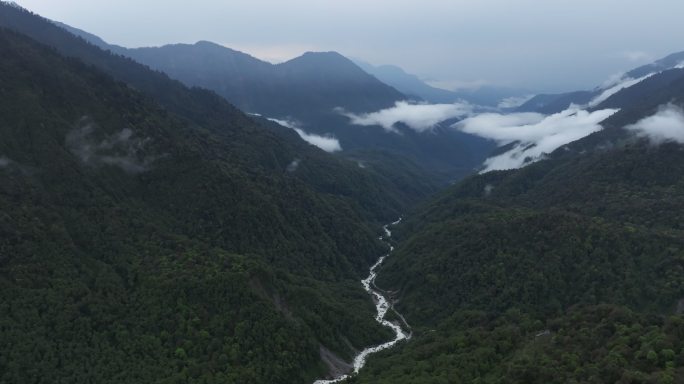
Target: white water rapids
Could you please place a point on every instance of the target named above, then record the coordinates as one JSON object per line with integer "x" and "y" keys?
{"x": 382, "y": 305}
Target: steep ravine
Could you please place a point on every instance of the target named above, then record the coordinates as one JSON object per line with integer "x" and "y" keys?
{"x": 382, "y": 305}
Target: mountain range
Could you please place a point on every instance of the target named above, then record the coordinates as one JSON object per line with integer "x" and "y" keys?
{"x": 615, "y": 93}
{"x": 309, "y": 92}
{"x": 413, "y": 86}
{"x": 133, "y": 238}
{"x": 567, "y": 270}
{"x": 153, "y": 228}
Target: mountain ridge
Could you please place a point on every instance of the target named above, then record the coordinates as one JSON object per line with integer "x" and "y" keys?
{"x": 132, "y": 214}
{"x": 554, "y": 103}
{"x": 412, "y": 85}
{"x": 310, "y": 97}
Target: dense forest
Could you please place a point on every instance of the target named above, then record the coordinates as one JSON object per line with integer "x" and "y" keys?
{"x": 570, "y": 270}
{"x": 153, "y": 232}
{"x": 133, "y": 242}
{"x": 308, "y": 91}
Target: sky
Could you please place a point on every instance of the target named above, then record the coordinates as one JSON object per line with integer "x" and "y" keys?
{"x": 538, "y": 45}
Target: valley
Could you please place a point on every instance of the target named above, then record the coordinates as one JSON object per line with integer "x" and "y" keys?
{"x": 190, "y": 213}
{"x": 383, "y": 304}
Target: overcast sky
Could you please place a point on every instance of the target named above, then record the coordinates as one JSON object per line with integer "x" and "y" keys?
{"x": 542, "y": 45}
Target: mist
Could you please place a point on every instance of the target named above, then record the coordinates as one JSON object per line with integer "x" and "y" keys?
{"x": 514, "y": 101}
{"x": 535, "y": 135}
{"x": 419, "y": 117}
{"x": 292, "y": 167}
{"x": 327, "y": 143}
{"x": 666, "y": 125}
{"x": 619, "y": 85}
{"x": 121, "y": 149}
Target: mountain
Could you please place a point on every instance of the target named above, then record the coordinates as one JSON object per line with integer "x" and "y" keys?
{"x": 409, "y": 84}
{"x": 567, "y": 270}
{"x": 412, "y": 85}
{"x": 306, "y": 92}
{"x": 197, "y": 106}
{"x": 89, "y": 37}
{"x": 152, "y": 232}
{"x": 554, "y": 103}
{"x": 546, "y": 277}
{"x": 668, "y": 62}
{"x": 315, "y": 81}
{"x": 625, "y": 103}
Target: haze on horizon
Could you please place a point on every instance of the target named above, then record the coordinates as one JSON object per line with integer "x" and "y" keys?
{"x": 543, "y": 46}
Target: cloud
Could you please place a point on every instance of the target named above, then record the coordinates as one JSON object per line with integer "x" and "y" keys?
{"x": 120, "y": 149}
{"x": 616, "y": 86}
{"x": 636, "y": 55}
{"x": 4, "y": 162}
{"x": 293, "y": 165}
{"x": 618, "y": 82}
{"x": 534, "y": 135}
{"x": 419, "y": 117}
{"x": 327, "y": 143}
{"x": 613, "y": 80}
{"x": 514, "y": 101}
{"x": 666, "y": 125}
{"x": 502, "y": 128}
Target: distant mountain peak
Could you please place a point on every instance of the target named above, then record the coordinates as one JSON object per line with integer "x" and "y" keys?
{"x": 328, "y": 54}
{"x": 330, "y": 62}
{"x": 215, "y": 47}
{"x": 207, "y": 43}
{"x": 211, "y": 44}
{"x": 321, "y": 58}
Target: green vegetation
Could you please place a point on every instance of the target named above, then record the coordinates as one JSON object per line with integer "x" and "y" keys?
{"x": 138, "y": 246}
{"x": 568, "y": 271}
{"x": 154, "y": 233}
{"x": 589, "y": 344}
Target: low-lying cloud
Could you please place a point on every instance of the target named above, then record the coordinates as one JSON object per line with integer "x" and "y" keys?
{"x": 666, "y": 125}
{"x": 419, "y": 117}
{"x": 617, "y": 86}
{"x": 514, "y": 101}
{"x": 120, "y": 149}
{"x": 534, "y": 134}
{"x": 293, "y": 165}
{"x": 327, "y": 143}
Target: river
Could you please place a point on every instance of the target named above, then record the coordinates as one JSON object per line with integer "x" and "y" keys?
{"x": 382, "y": 305}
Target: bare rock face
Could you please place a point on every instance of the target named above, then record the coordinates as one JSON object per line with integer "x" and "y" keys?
{"x": 336, "y": 366}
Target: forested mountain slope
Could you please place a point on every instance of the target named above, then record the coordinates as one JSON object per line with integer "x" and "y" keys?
{"x": 624, "y": 92}
{"x": 202, "y": 108}
{"x": 568, "y": 270}
{"x": 315, "y": 81}
{"x": 310, "y": 92}
{"x": 134, "y": 246}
